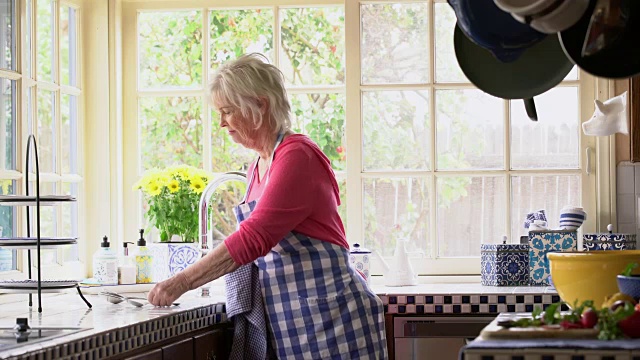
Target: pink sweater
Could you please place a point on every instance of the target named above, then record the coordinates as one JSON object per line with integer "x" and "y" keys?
{"x": 301, "y": 195}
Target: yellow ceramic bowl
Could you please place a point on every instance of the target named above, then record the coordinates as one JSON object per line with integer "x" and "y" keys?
{"x": 589, "y": 275}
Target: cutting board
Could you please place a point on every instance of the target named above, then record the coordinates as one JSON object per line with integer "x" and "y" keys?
{"x": 495, "y": 332}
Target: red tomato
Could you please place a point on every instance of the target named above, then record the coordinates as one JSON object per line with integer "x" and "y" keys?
{"x": 630, "y": 326}
{"x": 589, "y": 318}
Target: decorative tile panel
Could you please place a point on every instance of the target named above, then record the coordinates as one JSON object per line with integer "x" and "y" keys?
{"x": 543, "y": 242}
{"x": 593, "y": 242}
{"x": 504, "y": 264}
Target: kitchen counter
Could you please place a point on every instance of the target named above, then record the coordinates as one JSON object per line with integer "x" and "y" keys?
{"x": 550, "y": 348}
{"x": 116, "y": 328}
{"x": 112, "y": 329}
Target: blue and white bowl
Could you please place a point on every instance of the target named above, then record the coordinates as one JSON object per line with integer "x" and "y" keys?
{"x": 629, "y": 285}
{"x": 572, "y": 218}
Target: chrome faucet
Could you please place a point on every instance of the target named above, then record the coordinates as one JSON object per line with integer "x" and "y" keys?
{"x": 206, "y": 241}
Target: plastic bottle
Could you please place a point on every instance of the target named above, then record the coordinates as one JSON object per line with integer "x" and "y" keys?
{"x": 105, "y": 264}
{"x": 127, "y": 269}
{"x": 144, "y": 260}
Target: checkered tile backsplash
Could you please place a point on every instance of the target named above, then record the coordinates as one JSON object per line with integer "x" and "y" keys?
{"x": 466, "y": 304}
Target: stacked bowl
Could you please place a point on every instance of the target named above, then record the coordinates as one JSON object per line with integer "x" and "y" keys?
{"x": 590, "y": 275}
{"x": 571, "y": 217}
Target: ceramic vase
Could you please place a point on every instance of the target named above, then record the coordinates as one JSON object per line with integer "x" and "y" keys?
{"x": 172, "y": 257}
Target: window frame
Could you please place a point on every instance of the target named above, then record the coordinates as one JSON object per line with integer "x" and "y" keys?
{"x": 594, "y": 185}
{"x": 30, "y": 83}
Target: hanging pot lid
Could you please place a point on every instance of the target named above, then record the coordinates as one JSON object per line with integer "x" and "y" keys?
{"x": 538, "y": 69}
{"x": 619, "y": 59}
{"x": 494, "y": 29}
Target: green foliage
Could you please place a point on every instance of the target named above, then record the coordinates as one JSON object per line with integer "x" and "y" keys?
{"x": 235, "y": 32}
{"x": 313, "y": 45}
{"x": 395, "y": 44}
{"x": 45, "y": 43}
{"x": 171, "y": 131}
{"x": 65, "y": 12}
{"x": 171, "y": 126}
{"x": 6, "y": 212}
{"x": 629, "y": 269}
{"x": 608, "y": 321}
{"x": 170, "y": 45}
{"x": 321, "y": 116}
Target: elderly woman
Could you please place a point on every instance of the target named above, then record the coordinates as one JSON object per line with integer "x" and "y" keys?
{"x": 290, "y": 247}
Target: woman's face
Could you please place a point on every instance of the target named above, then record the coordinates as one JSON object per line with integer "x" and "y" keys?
{"x": 240, "y": 129}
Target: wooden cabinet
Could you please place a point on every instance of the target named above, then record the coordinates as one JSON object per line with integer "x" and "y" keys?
{"x": 182, "y": 350}
{"x": 213, "y": 345}
{"x": 210, "y": 344}
{"x": 149, "y": 355}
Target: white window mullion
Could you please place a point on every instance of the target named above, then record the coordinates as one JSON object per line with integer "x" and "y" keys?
{"x": 11, "y": 75}
{"x": 433, "y": 200}
{"x": 353, "y": 128}
{"x": 276, "y": 36}
{"x": 49, "y": 86}
{"x": 507, "y": 167}
{"x": 206, "y": 108}
{"x": 170, "y": 93}
{"x": 70, "y": 90}
{"x": 57, "y": 116}
{"x": 319, "y": 89}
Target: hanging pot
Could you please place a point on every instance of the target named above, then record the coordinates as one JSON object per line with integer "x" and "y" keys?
{"x": 545, "y": 16}
{"x": 617, "y": 59}
{"x": 494, "y": 29}
{"x": 538, "y": 69}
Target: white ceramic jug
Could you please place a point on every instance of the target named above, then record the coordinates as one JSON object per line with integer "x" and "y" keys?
{"x": 400, "y": 273}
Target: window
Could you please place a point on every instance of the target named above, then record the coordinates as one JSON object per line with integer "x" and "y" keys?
{"x": 417, "y": 144}
{"x": 175, "y": 122}
{"x": 41, "y": 96}
{"x": 453, "y": 166}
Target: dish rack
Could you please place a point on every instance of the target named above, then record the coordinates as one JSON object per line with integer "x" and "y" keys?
{"x": 29, "y": 242}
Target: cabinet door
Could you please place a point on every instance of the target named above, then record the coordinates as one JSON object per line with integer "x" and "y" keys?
{"x": 213, "y": 345}
{"x": 182, "y": 350}
{"x": 149, "y": 355}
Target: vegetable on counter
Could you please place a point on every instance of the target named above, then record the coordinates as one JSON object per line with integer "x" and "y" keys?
{"x": 620, "y": 319}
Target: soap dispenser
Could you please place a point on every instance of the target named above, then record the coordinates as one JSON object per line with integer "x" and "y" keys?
{"x": 144, "y": 260}
{"x": 126, "y": 269}
{"x": 105, "y": 264}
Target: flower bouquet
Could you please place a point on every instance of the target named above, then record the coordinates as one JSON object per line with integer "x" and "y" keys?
{"x": 172, "y": 197}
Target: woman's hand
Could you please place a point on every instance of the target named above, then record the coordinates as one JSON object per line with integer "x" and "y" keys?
{"x": 166, "y": 292}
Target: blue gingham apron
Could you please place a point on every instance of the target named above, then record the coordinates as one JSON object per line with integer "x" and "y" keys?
{"x": 316, "y": 306}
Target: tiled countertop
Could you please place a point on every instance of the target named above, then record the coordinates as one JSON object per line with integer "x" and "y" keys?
{"x": 463, "y": 298}
{"x": 116, "y": 328}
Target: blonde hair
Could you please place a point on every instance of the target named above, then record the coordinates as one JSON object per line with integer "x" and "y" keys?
{"x": 243, "y": 81}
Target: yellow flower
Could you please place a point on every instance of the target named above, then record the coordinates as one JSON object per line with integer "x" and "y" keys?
{"x": 154, "y": 189}
{"x": 173, "y": 186}
{"x": 197, "y": 185}
{"x": 179, "y": 171}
